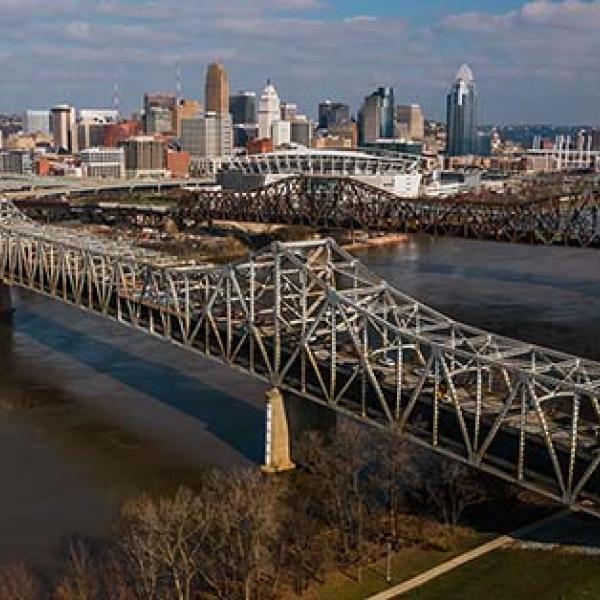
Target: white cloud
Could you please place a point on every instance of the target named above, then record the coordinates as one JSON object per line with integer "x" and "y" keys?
{"x": 72, "y": 49}
{"x": 360, "y": 19}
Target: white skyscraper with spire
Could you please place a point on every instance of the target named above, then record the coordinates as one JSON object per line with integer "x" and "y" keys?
{"x": 269, "y": 110}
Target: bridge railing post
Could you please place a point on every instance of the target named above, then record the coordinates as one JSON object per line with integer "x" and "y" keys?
{"x": 277, "y": 435}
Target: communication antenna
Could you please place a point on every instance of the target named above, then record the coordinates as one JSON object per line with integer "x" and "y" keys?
{"x": 178, "y": 82}
{"x": 116, "y": 99}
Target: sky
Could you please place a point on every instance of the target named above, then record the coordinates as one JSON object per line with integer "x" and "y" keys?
{"x": 534, "y": 61}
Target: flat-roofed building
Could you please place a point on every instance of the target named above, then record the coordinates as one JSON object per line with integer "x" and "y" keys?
{"x": 64, "y": 128}
{"x": 164, "y": 100}
{"x": 410, "y": 122}
{"x": 159, "y": 120}
{"x": 208, "y": 136}
{"x": 144, "y": 156}
{"x": 36, "y": 121}
{"x": 186, "y": 109}
{"x": 16, "y": 162}
{"x": 103, "y": 163}
{"x": 301, "y": 131}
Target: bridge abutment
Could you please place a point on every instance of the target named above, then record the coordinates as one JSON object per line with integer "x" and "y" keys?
{"x": 6, "y": 304}
{"x": 277, "y": 434}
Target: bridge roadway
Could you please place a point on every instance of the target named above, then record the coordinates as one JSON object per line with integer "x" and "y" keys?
{"x": 310, "y": 319}
{"x": 32, "y": 187}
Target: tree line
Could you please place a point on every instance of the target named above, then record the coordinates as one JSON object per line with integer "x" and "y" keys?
{"x": 245, "y": 535}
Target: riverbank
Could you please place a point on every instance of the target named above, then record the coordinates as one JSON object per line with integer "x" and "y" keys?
{"x": 388, "y": 239}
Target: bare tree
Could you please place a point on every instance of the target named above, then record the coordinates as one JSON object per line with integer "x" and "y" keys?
{"x": 80, "y": 580}
{"x": 339, "y": 487}
{"x": 219, "y": 541}
{"x": 390, "y": 477}
{"x": 243, "y": 538}
{"x": 449, "y": 488}
{"x": 17, "y": 582}
{"x": 162, "y": 542}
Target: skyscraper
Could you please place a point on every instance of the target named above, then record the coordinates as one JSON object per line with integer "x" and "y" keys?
{"x": 186, "y": 109}
{"x": 269, "y": 110}
{"x": 243, "y": 108}
{"x": 376, "y": 116}
{"x": 462, "y": 114}
{"x": 410, "y": 121}
{"x": 208, "y": 136}
{"x": 333, "y": 113}
{"x": 217, "y": 89}
{"x": 64, "y": 128}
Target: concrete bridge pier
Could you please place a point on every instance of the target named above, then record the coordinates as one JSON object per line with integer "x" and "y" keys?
{"x": 277, "y": 434}
{"x": 6, "y": 305}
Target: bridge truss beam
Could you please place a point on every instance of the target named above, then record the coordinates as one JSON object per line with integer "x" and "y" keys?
{"x": 310, "y": 319}
{"x": 553, "y": 215}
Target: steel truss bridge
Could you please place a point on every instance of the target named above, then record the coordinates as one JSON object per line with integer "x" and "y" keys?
{"x": 556, "y": 211}
{"x": 548, "y": 214}
{"x": 310, "y": 319}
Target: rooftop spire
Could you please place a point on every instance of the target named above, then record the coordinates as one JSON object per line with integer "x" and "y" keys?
{"x": 465, "y": 74}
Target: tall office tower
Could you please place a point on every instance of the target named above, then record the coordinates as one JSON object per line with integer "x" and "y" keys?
{"x": 243, "y": 108}
{"x": 217, "y": 89}
{"x": 186, "y": 109}
{"x": 37, "y": 121}
{"x": 164, "y": 100}
{"x": 301, "y": 131}
{"x": 462, "y": 114}
{"x": 595, "y": 135}
{"x": 288, "y": 111}
{"x": 377, "y": 116}
{"x": 64, "y": 128}
{"x": 269, "y": 110}
{"x": 411, "y": 122}
{"x": 208, "y": 136}
{"x": 333, "y": 113}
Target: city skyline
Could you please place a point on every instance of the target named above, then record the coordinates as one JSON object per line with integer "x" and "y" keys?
{"x": 311, "y": 49}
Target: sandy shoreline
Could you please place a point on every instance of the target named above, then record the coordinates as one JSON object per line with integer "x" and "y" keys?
{"x": 384, "y": 240}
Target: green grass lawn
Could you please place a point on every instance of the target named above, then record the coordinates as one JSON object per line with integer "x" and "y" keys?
{"x": 518, "y": 575}
{"x": 405, "y": 564}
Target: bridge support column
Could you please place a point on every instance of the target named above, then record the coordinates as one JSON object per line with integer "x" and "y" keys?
{"x": 6, "y": 305}
{"x": 277, "y": 435}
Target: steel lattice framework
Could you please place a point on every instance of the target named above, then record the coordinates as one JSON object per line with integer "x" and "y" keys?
{"x": 310, "y": 319}
{"x": 325, "y": 162}
{"x": 549, "y": 215}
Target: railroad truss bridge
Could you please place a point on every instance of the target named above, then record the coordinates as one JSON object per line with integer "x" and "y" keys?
{"x": 310, "y": 319}
{"x": 550, "y": 214}
{"x": 557, "y": 212}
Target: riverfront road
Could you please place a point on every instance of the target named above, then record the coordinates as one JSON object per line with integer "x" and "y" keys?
{"x": 310, "y": 319}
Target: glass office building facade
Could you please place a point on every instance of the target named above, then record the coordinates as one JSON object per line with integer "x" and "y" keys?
{"x": 462, "y": 115}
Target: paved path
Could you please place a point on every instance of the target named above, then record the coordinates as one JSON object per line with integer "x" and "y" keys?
{"x": 458, "y": 561}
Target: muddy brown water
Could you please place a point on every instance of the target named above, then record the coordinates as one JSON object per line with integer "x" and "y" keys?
{"x": 92, "y": 413}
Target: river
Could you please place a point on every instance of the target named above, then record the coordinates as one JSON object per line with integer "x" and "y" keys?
{"x": 92, "y": 413}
